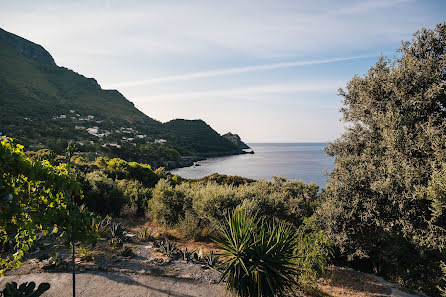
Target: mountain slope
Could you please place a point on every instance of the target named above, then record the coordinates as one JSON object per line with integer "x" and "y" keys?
{"x": 234, "y": 138}
{"x": 44, "y": 105}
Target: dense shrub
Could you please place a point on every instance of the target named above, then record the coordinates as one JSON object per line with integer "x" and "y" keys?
{"x": 121, "y": 169}
{"x": 167, "y": 205}
{"x": 102, "y": 195}
{"x": 313, "y": 251}
{"x": 223, "y": 179}
{"x": 135, "y": 195}
{"x": 384, "y": 199}
{"x": 201, "y": 208}
{"x": 211, "y": 202}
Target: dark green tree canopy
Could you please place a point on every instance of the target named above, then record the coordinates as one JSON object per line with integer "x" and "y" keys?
{"x": 378, "y": 194}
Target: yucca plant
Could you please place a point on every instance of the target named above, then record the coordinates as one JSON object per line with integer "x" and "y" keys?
{"x": 258, "y": 258}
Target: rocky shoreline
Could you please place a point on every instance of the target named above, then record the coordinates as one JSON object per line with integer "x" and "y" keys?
{"x": 188, "y": 161}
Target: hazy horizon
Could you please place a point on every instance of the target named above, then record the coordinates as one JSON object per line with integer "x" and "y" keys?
{"x": 266, "y": 70}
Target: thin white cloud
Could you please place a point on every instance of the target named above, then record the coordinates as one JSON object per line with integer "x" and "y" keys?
{"x": 229, "y": 71}
{"x": 250, "y": 93}
{"x": 367, "y": 6}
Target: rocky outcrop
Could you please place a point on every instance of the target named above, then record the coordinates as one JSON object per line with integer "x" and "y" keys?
{"x": 27, "y": 48}
{"x": 234, "y": 138}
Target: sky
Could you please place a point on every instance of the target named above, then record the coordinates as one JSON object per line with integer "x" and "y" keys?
{"x": 267, "y": 70}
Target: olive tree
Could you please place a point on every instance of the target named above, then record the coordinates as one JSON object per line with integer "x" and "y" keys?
{"x": 379, "y": 209}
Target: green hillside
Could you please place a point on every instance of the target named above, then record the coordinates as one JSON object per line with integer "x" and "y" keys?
{"x": 45, "y": 106}
{"x": 188, "y": 135}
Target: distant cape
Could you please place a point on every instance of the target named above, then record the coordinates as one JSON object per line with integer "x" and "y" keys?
{"x": 234, "y": 138}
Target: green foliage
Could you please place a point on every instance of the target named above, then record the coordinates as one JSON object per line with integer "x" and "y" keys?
{"x": 386, "y": 194}
{"x": 313, "y": 251}
{"x": 100, "y": 226}
{"x": 34, "y": 202}
{"x": 102, "y": 195}
{"x": 116, "y": 230}
{"x": 134, "y": 194}
{"x": 197, "y": 209}
{"x": 223, "y": 179}
{"x": 436, "y": 193}
{"x": 85, "y": 253}
{"x": 258, "y": 258}
{"x": 116, "y": 234}
{"x": 167, "y": 203}
{"x": 145, "y": 234}
{"x": 443, "y": 279}
{"x": 169, "y": 248}
{"x": 195, "y": 136}
{"x": 24, "y": 290}
{"x": 211, "y": 201}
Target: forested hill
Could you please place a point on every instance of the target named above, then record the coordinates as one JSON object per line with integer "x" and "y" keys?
{"x": 43, "y": 105}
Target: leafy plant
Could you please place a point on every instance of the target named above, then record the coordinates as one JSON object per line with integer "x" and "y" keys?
{"x": 117, "y": 234}
{"x": 168, "y": 248}
{"x": 198, "y": 256}
{"x": 116, "y": 230}
{"x": 187, "y": 255}
{"x": 100, "y": 227}
{"x": 127, "y": 251}
{"x": 34, "y": 203}
{"x": 443, "y": 279}
{"x": 24, "y": 290}
{"x": 211, "y": 259}
{"x": 313, "y": 250}
{"x": 379, "y": 206}
{"x": 85, "y": 254}
{"x": 258, "y": 258}
{"x": 145, "y": 234}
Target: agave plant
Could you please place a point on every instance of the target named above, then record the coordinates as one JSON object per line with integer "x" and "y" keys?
{"x": 24, "y": 290}
{"x": 116, "y": 230}
{"x": 198, "y": 256}
{"x": 169, "y": 248}
{"x": 117, "y": 234}
{"x": 145, "y": 234}
{"x": 100, "y": 227}
{"x": 258, "y": 258}
{"x": 211, "y": 259}
{"x": 186, "y": 255}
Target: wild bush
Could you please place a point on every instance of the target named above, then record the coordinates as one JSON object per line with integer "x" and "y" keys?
{"x": 135, "y": 195}
{"x": 313, "y": 251}
{"x": 167, "y": 205}
{"x": 377, "y": 205}
{"x": 102, "y": 194}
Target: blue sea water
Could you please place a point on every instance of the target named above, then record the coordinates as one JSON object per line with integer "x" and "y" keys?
{"x": 305, "y": 161}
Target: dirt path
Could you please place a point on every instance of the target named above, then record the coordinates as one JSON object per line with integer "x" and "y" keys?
{"x": 111, "y": 284}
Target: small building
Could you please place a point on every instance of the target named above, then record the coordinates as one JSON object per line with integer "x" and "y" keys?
{"x": 93, "y": 130}
{"x": 160, "y": 141}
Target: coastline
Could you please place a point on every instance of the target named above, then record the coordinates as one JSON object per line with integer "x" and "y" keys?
{"x": 189, "y": 161}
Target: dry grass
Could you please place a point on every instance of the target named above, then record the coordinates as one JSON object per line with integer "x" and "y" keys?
{"x": 345, "y": 282}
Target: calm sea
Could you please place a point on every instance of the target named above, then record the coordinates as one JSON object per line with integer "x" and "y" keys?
{"x": 305, "y": 161}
